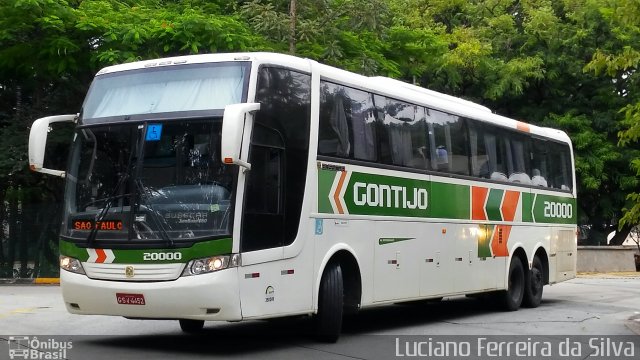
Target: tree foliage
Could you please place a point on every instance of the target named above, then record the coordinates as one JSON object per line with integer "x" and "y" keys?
{"x": 618, "y": 61}
{"x": 568, "y": 64}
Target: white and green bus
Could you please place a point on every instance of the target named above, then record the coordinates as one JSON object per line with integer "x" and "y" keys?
{"x": 258, "y": 185}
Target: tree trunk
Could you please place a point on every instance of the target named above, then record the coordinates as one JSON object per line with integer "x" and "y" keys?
{"x": 18, "y": 114}
{"x": 13, "y": 233}
{"x": 620, "y": 236}
{"x": 26, "y": 224}
{"x": 3, "y": 261}
{"x": 292, "y": 27}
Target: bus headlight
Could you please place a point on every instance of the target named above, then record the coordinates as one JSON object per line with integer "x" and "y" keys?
{"x": 211, "y": 264}
{"x": 71, "y": 264}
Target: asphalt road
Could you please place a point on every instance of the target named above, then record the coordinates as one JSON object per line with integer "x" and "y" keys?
{"x": 583, "y": 308}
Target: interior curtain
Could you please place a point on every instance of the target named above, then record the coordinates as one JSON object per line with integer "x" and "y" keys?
{"x": 155, "y": 92}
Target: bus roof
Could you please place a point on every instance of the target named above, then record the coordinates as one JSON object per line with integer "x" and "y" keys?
{"x": 378, "y": 84}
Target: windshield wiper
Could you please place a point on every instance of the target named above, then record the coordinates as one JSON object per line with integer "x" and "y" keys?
{"x": 105, "y": 210}
{"x": 139, "y": 188}
{"x": 154, "y": 214}
{"x": 114, "y": 195}
{"x": 104, "y": 199}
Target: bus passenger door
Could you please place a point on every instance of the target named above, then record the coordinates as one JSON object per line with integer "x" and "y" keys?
{"x": 262, "y": 235}
{"x": 274, "y": 194}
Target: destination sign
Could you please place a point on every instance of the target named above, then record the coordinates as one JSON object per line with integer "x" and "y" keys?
{"x": 104, "y": 225}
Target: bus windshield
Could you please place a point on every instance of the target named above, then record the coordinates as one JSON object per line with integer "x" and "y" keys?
{"x": 166, "y": 89}
{"x": 160, "y": 181}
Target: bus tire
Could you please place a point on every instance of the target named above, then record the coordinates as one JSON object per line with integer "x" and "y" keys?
{"x": 511, "y": 299}
{"x": 534, "y": 284}
{"x": 191, "y": 326}
{"x": 328, "y": 320}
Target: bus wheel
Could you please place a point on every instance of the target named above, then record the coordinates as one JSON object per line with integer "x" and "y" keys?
{"x": 328, "y": 320}
{"x": 512, "y": 297}
{"x": 191, "y": 326}
{"x": 534, "y": 284}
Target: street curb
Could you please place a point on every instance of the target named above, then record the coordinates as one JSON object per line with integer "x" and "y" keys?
{"x": 36, "y": 281}
{"x": 47, "y": 281}
{"x": 610, "y": 275}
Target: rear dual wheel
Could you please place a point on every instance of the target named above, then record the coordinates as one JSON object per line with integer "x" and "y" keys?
{"x": 525, "y": 286}
{"x": 511, "y": 299}
{"x": 534, "y": 284}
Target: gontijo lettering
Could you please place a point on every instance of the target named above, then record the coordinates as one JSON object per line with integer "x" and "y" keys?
{"x": 390, "y": 196}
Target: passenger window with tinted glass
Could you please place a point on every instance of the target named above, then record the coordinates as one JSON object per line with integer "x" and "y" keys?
{"x": 264, "y": 191}
{"x": 347, "y": 123}
{"x": 449, "y": 142}
{"x": 496, "y": 148}
{"x": 479, "y": 152}
{"x": 398, "y": 125}
{"x": 559, "y": 159}
{"x": 263, "y": 196}
{"x": 539, "y": 165}
{"x": 517, "y": 147}
{"x": 421, "y": 157}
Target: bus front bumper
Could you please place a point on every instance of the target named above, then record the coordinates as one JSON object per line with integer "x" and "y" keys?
{"x": 213, "y": 296}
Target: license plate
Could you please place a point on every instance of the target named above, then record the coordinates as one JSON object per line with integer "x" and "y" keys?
{"x": 130, "y": 299}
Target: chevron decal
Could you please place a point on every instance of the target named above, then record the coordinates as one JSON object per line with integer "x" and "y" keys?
{"x": 101, "y": 256}
{"x": 336, "y": 195}
{"x": 494, "y": 205}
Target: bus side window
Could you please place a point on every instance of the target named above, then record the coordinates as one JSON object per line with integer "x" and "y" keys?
{"x": 559, "y": 161}
{"x": 347, "y": 123}
{"x": 518, "y": 159}
{"x": 363, "y": 122}
{"x": 479, "y": 158}
{"x": 421, "y": 157}
{"x": 397, "y": 125}
{"x": 539, "y": 162}
{"x": 450, "y": 138}
{"x": 494, "y": 142}
{"x": 334, "y": 131}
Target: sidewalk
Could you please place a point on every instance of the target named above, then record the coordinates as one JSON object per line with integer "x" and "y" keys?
{"x": 37, "y": 281}
{"x": 610, "y": 275}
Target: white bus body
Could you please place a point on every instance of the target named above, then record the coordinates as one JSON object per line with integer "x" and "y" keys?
{"x": 384, "y": 221}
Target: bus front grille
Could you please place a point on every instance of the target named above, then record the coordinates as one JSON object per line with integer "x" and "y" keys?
{"x": 133, "y": 272}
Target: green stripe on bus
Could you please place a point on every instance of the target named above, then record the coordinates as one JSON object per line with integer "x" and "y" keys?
{"x": 449, "y": 201}
{"x": 70, "y": 249}
{"x": 126, "y": 256}
{"x": 325, "y": 181}
{"x": 527, "y": 206}
{"x": 384, "y": 241}
{"x": 374, "y": 194}
{"x": 551, "y": 209}
{"x": 484, "y": 241}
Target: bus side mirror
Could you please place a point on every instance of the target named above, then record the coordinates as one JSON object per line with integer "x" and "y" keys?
{"x": 38, "y": 142}
{"x": 237, "y": 118}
